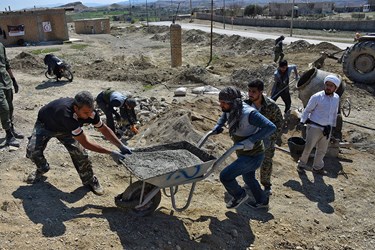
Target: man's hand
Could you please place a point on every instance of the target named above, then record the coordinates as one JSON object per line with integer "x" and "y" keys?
{"x": 124, "y": 149}
{"x": 300, "y": 126}
{"x": 218, "y": 129}
{"x": 247, "y": 144}
{"x": 15, "y": 85}
{"x": 117, "y": 156}
{"x": 134, "y": 129}
{"x": 117, "y": 117}
{"x": 278, "y": 141}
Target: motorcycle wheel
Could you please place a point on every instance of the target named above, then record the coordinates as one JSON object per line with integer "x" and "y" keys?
{"x": 51, "y": 77}
{"x": 68, "y": 75}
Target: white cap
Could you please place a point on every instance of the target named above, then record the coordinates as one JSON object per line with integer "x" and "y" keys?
{"x": 333, "y": 79}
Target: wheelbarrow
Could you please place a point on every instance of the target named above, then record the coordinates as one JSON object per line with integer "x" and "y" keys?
{"x": 143, "y": 196}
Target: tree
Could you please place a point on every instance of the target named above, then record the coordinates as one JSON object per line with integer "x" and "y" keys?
{"x": 253, "y": 10}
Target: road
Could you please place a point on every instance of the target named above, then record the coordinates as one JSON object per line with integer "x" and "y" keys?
{"x": 248, "y": 33}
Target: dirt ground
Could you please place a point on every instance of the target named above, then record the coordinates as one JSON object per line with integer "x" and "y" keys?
{"x": 308, "y": 211}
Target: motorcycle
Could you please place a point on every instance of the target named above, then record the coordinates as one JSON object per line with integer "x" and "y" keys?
{"x": 64, "y": 71}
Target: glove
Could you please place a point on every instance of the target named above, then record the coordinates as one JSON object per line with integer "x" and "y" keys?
{"x": 300, "y": 126}
{"x": 124, "y": 149}
{"x": 278, "y": 142}
{"x": 15, "y": 85}
{"x": 118, "y": 117}
{"x": 134, "y": 129}
{"x": 218, "y": 129}
{"x": 117, "y": 156}
{"x": 247, "y": 144}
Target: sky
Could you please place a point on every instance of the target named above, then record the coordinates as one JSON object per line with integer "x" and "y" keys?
{"x": 20, "y": 4}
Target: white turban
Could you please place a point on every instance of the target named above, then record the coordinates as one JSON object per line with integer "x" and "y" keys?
{"x": 333, "y": 79}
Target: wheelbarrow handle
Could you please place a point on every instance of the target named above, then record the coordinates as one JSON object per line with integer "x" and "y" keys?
{"x": 205, "y": 137}
{"x": 222, "y": 158}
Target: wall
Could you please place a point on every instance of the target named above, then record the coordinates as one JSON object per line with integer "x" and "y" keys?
{"x": 92, "y": 26}
{"x": 34, "y": 31}
{"x": 361, "y": 26}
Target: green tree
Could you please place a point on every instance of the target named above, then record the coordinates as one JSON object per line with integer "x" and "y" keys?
{"x": 253, "y": 10}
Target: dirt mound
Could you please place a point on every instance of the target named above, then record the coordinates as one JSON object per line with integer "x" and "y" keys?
{"x": 326, "y": 46}
{"x": 194, "y": 36}
{"x": 161, "y": 37}
{"x": 118, "y": 70}
{"x": 156, "y": 29}
{"x": 26, "y": 61}
{"x": 242, "y": 76}
{"x": 142, "y": 63}
{"x": 298, "y": 46}
{"x": 172, "y": 126}
{"x": 197, "y": 74}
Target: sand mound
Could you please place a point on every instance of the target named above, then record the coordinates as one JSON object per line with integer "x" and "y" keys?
{"x": 26, "y": 60}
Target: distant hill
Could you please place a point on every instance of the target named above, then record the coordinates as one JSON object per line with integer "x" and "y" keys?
{"x": 78, "y": 6}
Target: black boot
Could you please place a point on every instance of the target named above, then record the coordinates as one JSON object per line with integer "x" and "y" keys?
{"x": 10, "y": 139}
{"x": 16, "y": 134}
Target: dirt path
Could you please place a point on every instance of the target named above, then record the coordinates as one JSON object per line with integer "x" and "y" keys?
{"x": 306, "y": 211}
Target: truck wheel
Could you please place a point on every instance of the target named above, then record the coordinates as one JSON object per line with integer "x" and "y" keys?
{"x": 359, "y": 62}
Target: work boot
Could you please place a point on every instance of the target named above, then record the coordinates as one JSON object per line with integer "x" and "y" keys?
{"x": 11, "y": 140}
{"x": 268, "y": 190}
{"x": 95, "y": 186}
{"x": 16, "y": 133}
{"x": 37, "y": 175}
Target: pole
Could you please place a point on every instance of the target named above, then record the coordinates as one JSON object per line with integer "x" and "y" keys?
{"x": 212, "y": 17}
{"x": 291, "y": 22}
{"x": 146, "y": 14}
{"x": 224, "y": 14}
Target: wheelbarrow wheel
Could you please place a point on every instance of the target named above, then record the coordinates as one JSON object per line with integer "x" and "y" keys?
{"x": 132, "y": 195}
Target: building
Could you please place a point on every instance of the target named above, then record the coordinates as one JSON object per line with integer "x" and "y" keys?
{"x": 33, "y": 26}
{"x": 93, "y": 26}
{"x": 311, "y": 8}
{"x": 371, "y": 4}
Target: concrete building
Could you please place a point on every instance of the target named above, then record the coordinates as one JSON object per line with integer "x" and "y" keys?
{"x": 33, "y": 26}
{"x": 92, "y": 26}
{"x": 371, "y": 4}
{"x": 285, "y": 9}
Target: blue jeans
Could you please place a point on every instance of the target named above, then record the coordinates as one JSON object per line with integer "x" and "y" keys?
{"x": 245, "y": 166}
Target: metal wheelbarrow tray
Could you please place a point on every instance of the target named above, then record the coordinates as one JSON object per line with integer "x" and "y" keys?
{"x": 169, "y": 164}
{"x": 168, "y": 170}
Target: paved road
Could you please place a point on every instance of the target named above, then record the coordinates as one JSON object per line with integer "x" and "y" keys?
{"x": 246, "y": 33}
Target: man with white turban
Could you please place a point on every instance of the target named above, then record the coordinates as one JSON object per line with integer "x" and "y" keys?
{"x": 320, "y": 116}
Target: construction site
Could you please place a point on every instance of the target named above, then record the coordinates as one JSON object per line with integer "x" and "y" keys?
{"x": 334, "y": 211}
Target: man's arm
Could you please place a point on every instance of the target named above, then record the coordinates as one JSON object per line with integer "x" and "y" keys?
{"x": 276, "y": 118}
{"x": 309, "y": 108}
{"x": 265, "y": 125}
{"x": 109, "y": 135}
{"x": 92, "y": 146}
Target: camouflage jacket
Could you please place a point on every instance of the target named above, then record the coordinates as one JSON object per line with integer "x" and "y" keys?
{"x": 272, "y": 112}
{"x": 5, "y": 81}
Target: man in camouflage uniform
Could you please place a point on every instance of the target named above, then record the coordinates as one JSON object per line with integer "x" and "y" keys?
{"x": 63, "y": 119}
{"x": 6, "y": 99}
{"x": 268, "y": 108}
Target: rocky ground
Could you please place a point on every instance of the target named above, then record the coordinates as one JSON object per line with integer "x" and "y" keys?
{"x": 334, "y": 211}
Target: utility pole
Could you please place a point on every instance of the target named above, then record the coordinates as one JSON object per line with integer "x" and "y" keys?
{"x": 130, "y": 10}
{"x": 224, "y": 15}
{"x": 147, "y": 16}
{"x": 291, "y": 21}
{"x": 212, "y": 17}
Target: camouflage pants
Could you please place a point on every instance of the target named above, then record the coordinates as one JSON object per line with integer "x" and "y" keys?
{"x": 278, "y": 54}
{"x": 38, "y": 143}
{"x": 266, "y": 168}
{"x": 6, "y": 107}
